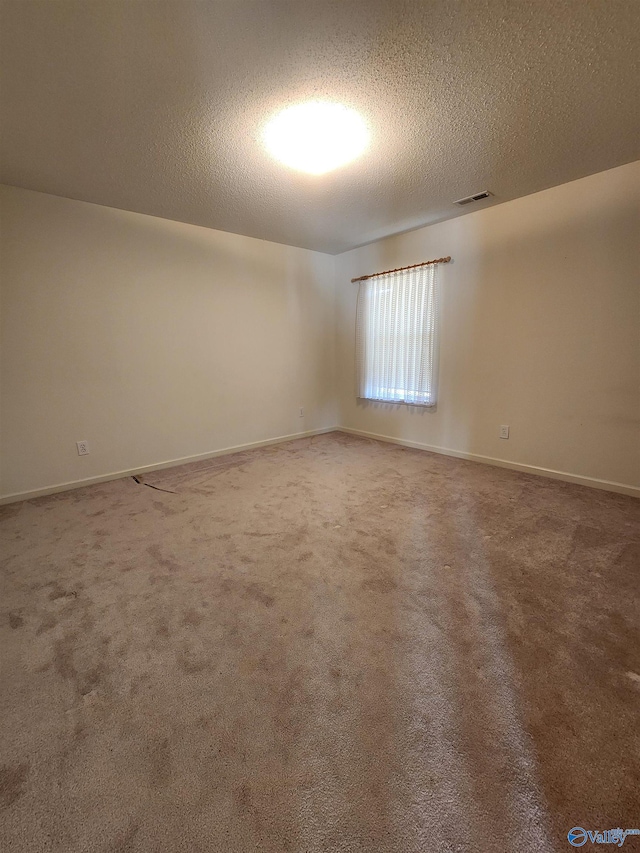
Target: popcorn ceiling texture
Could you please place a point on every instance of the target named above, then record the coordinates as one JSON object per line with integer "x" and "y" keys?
{"x": 158, "y": 107}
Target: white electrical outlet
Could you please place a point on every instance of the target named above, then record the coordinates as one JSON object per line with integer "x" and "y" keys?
{"x": 301, "y": 412}
{"x": 504, "y": 431}
{"x": 83, "y": 447}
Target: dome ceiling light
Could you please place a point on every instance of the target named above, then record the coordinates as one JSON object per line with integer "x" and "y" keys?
{"x": 316, "y": 136}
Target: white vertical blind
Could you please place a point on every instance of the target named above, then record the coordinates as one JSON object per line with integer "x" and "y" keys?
{"x": 396, "y": 336}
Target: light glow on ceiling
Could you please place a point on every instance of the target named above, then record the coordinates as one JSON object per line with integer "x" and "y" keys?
{"x": 316, "y": 136}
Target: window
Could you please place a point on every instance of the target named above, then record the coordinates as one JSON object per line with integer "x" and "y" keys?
{"x": 396, "y": 336}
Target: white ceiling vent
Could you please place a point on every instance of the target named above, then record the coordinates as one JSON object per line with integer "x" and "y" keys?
{"x": 471, "y": 198}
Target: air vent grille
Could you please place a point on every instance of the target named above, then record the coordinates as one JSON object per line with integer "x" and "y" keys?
{"x": 471, "y": 198}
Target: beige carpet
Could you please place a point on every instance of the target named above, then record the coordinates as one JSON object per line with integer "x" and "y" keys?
{"x": 328, "y": 645}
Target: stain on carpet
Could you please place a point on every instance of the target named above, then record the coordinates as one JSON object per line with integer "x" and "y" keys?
{"x": 15, "y": 620}
{"x": 12, "y": 782}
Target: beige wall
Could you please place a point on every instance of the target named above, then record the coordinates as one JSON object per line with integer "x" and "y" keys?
{"x": 540, "y": 330}
{"x": 153, "y": 340}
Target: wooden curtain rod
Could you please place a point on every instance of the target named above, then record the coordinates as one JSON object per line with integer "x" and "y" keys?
{"x": 400, "y": 269}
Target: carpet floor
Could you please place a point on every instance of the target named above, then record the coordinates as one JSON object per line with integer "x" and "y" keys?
{"x": 328, "y": 645}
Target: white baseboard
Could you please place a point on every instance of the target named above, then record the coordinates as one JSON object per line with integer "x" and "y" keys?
{"x": 607, "y": 485}
{"x": 118, "y": 475}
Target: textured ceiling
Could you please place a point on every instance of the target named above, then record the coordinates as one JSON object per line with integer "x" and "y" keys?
{"x": 157, "y": 107}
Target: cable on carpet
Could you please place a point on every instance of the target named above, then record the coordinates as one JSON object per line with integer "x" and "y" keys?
{"x": 157, "y": 488}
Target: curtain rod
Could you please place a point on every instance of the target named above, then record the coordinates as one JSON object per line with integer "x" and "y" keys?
{"x": 400, "y": 269}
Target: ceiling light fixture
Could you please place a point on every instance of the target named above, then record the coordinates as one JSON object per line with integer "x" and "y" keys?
{"x": 316, "y": 136}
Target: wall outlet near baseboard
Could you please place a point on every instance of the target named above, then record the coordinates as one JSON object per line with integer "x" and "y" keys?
{"x": 83, "y": 447}
{"x": 504, "y": 431}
